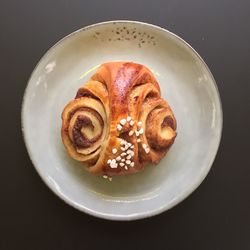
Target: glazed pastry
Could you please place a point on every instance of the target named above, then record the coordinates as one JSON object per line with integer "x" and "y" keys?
{"x": 118, "y": 121}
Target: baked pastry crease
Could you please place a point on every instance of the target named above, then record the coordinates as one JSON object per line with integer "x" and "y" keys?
{"x": 118, "y": 121}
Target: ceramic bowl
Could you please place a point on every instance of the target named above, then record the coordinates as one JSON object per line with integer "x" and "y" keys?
{"x": 185, "y": 82}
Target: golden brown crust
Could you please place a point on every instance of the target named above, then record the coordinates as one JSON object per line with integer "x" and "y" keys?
{"x": 118, "y": 90}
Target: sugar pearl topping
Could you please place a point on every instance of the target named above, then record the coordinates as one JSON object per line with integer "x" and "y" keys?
{"x": 141, "y": 131}
{"x": 123, "y": 142}
{"x": 128, "y": 157}
{"x": 146, "y": 148}
{"x": 113, "y": 164}
{"x": 106, "y": 177}
{"x": 131, "y": 123}
{"x": 126, "y": 153}
{"x": 118, "y": 158}
{"x": 129, "y": 118}
{"x": 125, "y": 158}
{"x": 123, "y": 121}
{"x": 119, "y": 127}
{"x": 130, "y": 151}
{"x": 131, "y": 132}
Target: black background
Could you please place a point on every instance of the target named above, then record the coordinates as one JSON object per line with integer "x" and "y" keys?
{"x": 216, "y": 216}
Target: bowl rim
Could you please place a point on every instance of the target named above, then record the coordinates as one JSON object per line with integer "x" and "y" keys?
{"x": 134, "y": 216}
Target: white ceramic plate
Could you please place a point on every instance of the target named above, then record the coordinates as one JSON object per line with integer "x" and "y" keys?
{"x": 186, "y": 83}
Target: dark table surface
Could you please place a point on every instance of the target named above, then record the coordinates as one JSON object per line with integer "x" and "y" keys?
{"x": 216, "y": 216}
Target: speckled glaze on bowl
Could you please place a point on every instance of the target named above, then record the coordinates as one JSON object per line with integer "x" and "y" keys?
{"x": 186, "y": 83}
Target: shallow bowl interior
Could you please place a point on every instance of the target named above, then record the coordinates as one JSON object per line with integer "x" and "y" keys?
{"x": 185, "y": 82}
